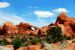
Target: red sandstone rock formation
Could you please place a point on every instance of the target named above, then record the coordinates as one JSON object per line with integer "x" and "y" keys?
{"x": 25, "y": 28}
{"x": 1, "y": 32}
{"x": 42, "y": 31}
{"x": 9, "y": 28}
{"x": 66, "y": 23}
{"x": 22, "y": 28}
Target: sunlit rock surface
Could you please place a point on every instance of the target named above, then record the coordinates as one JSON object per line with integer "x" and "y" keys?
{"x": 68, "y": 24}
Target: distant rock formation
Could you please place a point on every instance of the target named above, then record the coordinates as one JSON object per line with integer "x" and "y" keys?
{"x": 9, "y": 28}
{"x": 22, "y": 28}
{"x": 25, "y": 28}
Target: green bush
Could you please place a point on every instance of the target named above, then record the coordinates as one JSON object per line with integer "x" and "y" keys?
{"x": 3, "y": 42}
{"x": 54, "y": 34}
{"x": 16, "y": 42}
{"x": 35, "y": 41}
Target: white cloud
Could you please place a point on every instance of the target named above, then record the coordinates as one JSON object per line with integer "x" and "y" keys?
{"x": 4, "y": 4}
{"x": 11, "y": 18}
{"x": 43, "y": 14}
{"x": 60, "y": 10}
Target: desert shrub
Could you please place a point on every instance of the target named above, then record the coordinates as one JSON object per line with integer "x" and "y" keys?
{"x": 67, "y": 38}
{"x": 26, "y": 40}
{"x": 16, "y": 42}
{"x": 54, "y": 34}
{"x": 3, "y": 42}
{"x": 35, "y": 40}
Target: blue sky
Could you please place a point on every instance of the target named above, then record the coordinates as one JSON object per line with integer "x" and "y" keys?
{"x": 36, "y": 12}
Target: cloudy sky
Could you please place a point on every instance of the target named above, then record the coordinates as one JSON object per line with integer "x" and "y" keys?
{"x": 35, "y": 12}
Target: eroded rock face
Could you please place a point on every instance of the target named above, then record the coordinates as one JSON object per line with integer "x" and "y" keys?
{"x": 1, "y": 31}
{"x": 25, "y": 28}
{"x": 68, "y": 24}
{"x": 22, "y": 28}
{"x": 9, "y": 28}
{"x": 35, "y": 32}
{"x": 42, "y": 31}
